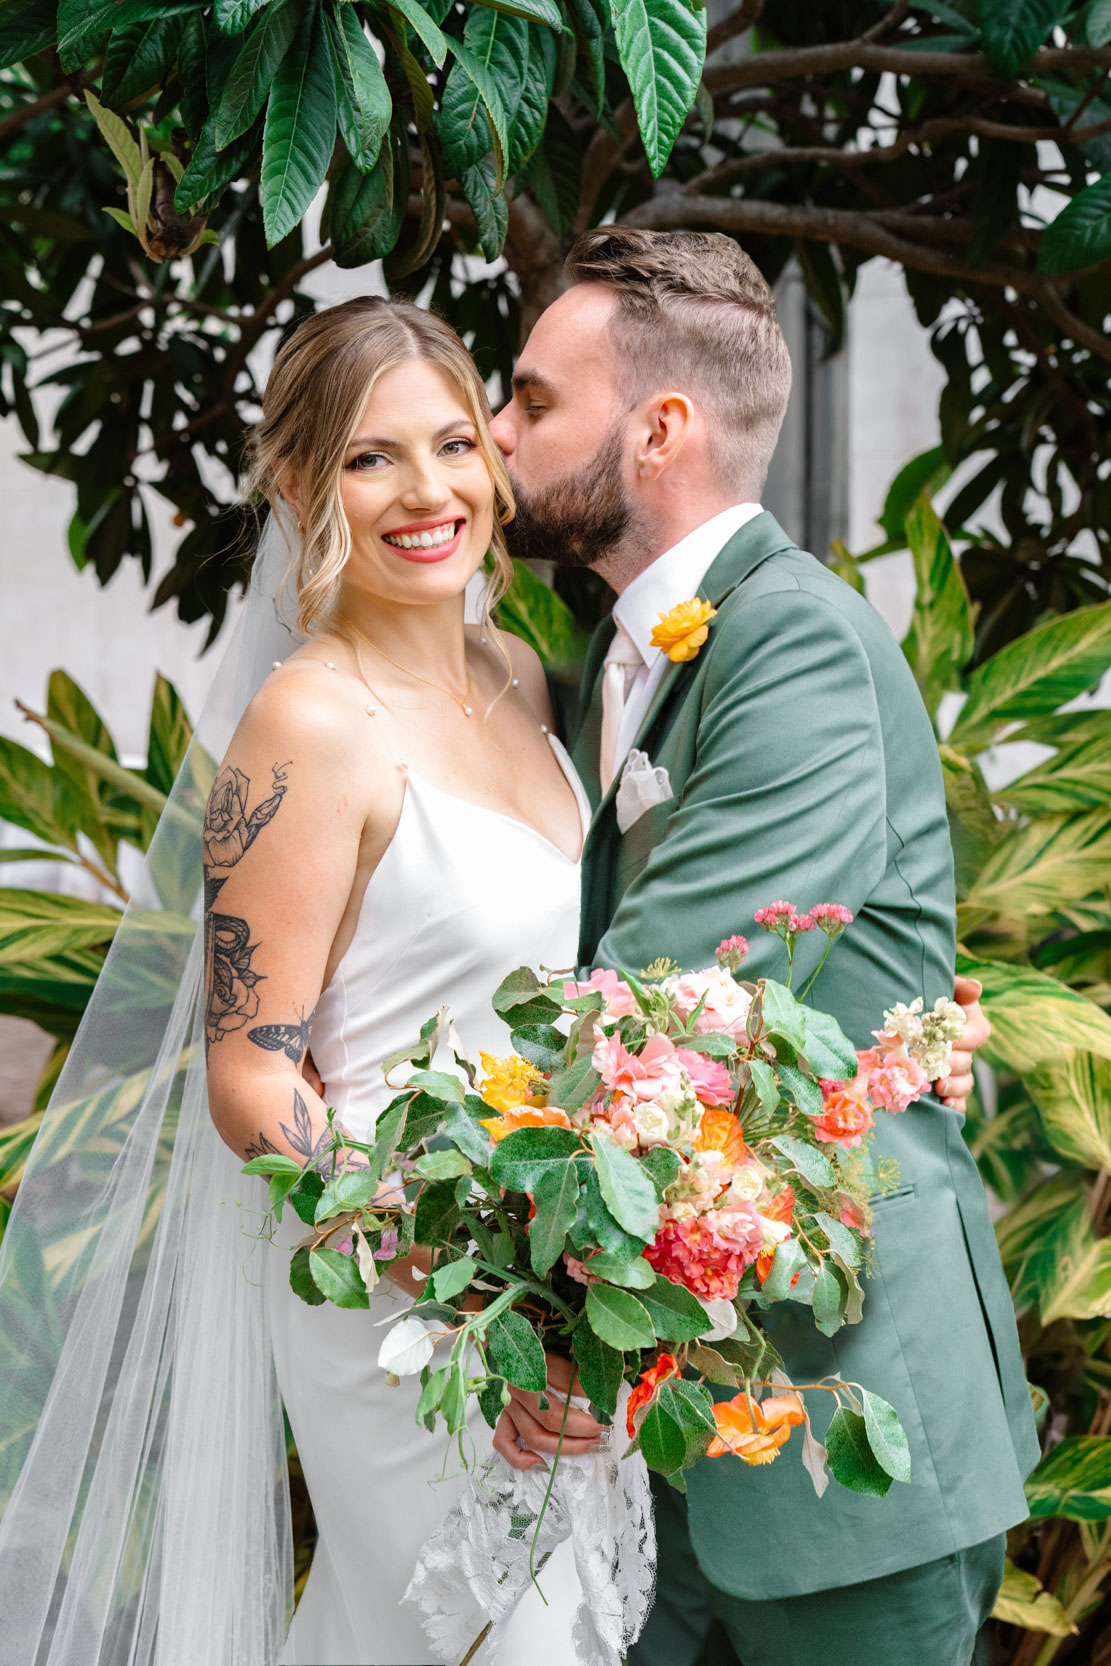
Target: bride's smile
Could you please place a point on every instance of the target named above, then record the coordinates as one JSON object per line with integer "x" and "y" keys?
{"x": 416, "y": 490}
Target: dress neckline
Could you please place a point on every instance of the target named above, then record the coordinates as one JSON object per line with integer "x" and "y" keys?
{"x": 564, "y": 761}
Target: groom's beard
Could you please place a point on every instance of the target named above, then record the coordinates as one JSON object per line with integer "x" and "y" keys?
{"x": 577, "y": 521}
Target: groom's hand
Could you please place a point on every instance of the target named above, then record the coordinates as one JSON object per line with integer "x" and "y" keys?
{"x": 525, "y": 1421}
{"x": 954, "y": 1089}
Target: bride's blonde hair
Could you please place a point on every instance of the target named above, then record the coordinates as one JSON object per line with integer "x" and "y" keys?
{"x": 314, "y": 400}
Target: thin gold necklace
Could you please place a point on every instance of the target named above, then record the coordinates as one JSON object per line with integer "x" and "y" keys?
{"x": 464, "y": 705}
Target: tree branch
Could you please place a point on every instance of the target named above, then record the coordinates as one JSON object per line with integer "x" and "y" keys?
{"x": 730, "y": 27}
{"x": 671, "y": 211}
{"x": 47, "y": 101}
{"x": 797, "y": 63}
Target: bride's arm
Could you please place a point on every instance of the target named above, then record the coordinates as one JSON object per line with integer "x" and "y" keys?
{"x": 290, "y": 824}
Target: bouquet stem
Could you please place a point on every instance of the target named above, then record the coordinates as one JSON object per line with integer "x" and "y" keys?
{"x": 477, "y": 1644}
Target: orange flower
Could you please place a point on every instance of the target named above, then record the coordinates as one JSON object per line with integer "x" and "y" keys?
{"x": 719, "y": 1130}
{"x": 682, "y": 632}
{"x": 781, "y": 1208}
{"x": 509, "y": 1082}
{"x": 755, "y": 1438}
{"x": 525, "y": 1116}
{"x": 649, "y": 1386}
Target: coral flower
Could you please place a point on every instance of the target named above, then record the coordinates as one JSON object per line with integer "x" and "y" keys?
{"x": 525, "y": 1116}
{"x": 847, "y": 1116}
{"x": 691, "y": 1253}
{"x": 620, "y": 1000}
{"x": 755, "y": 1437}
{"x": 719, "y": 1130}
{"x": 648, "y": 1387}
{"x": 509, "y": 1082}
{"x": 781, "y": 1208}
{"x": 682, "y": 631}
{"x": 637, "y": 1076}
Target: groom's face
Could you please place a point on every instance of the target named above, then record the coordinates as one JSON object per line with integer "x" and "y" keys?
{"x": 563, "y": 434}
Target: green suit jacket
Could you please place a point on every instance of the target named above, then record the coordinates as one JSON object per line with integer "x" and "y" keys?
{"x": 804, "y": 767}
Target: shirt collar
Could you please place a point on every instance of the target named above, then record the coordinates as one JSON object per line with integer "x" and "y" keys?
{"x": 675, "y": 576}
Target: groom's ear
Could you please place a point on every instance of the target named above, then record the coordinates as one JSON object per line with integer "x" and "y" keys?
{"x": 667, "y": 425}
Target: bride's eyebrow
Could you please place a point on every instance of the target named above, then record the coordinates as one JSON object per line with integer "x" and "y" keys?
{"x": 371, "y": 442}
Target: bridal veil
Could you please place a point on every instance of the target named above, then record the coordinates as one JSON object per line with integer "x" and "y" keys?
{"x": 145, "y": 1511}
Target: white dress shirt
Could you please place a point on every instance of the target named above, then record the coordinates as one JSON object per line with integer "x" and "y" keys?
{"x": 673, "y": 577}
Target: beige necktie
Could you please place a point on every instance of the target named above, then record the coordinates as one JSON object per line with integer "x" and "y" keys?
{"x": 623, "y": 661}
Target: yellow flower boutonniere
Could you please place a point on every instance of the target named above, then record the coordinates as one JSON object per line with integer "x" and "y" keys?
{"x": 682, "y": 632}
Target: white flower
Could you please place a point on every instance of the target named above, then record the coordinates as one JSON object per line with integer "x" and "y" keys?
{"x": 726, "y": 1004}
{"x": 773, "y": 1232}
{"x": 408, "y": 1347}
{"x": 651, "y": 1124}
{"x": 746, "y": 1185}
{"x": 724, "y": 1316}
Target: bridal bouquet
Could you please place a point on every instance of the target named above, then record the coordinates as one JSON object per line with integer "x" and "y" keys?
{"x": 661, "y": 1158}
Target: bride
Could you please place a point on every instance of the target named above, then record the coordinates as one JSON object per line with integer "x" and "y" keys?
{"x": 416, "y": 830}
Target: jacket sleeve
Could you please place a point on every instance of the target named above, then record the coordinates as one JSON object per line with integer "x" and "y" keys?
{"x": 785, "y": 798}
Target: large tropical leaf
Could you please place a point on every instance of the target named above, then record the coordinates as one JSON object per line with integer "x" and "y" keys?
{"x": 1012, "y": 30}
{"x": 252, "y": 74}
{"x": 1022, "y": 1601}
{"x": 939, "y": 642}
{"x": 473, "y": 117}
{"x": 102, "y": 818}
{"x": 532, "y": 610}
{"x": 34, "y": 797}
{"x": 1033, "y": 1017}
{"x": 1038, "y": 870}
{"x": 1073, "y": 1480}
{"x": 1036, "y": 674}
{"x": 52, "y": 948}
{"x": 1075, "y": 1269}
{"x": 536, "y": 11}
{"x": 300, "y": 130}
{"x": 363, "y": 98}
{"x": 1081, "y": 234}
{"x": 662, "y": 47}
{"x": 1073, "y": 1096}
{"x": 1076, "y": 778}
{"x": 170, "y": 734}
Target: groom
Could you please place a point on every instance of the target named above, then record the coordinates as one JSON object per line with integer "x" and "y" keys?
{"x": 800, "y": 764}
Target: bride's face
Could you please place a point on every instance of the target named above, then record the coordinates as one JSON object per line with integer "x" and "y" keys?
{"x": 416, "y": 490}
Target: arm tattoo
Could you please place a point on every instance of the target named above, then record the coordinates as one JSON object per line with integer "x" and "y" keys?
{"x": 300, "y": 1140}
{"x": 229, "y": 832}
{"x": 292, "y": 1039}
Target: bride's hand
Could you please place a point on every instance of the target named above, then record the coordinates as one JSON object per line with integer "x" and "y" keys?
{"x": 955, "y": 1088}
{"x": 523, "y": 1420}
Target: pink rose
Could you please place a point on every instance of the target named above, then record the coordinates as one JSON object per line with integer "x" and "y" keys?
{"x": 712, "y": 1083}
{"x": 737, "y": 1230}
{"x": 643, "y": 1075}
{"x": 725, "y": 1009}
{"x": 620, "y": 1000}
{"x": 896, "y": 1082}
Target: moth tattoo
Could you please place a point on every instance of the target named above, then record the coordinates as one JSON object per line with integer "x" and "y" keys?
{"x": 292, "y": 1039}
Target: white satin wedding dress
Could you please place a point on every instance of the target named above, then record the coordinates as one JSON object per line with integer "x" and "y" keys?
{"x": 462, "y": 896}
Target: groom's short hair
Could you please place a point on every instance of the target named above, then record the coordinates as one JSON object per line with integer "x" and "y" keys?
{"x": 694, "y": 313}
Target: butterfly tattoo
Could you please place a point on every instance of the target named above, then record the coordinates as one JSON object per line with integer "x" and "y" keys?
{"x": 292, "y": 1039}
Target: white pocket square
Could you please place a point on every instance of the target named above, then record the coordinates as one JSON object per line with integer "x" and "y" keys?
{"x": 641, "y": 786}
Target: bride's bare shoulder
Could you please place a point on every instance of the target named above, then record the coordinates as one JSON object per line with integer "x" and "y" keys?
{"x": 527, "y": 667}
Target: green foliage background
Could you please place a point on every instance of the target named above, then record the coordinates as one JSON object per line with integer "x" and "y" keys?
{"x": 157, "y": 159}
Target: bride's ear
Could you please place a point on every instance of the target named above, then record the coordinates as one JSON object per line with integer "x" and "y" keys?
{"x": 287, "y": 486}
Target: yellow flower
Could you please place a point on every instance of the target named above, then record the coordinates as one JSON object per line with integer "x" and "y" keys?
{"x": 509, "y": 1082}
{"x": 525, "y": 1116}
{"x": 682, "y": 632}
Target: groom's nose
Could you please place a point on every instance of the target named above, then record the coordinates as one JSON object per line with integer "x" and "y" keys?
{"x": 503, "y": 433}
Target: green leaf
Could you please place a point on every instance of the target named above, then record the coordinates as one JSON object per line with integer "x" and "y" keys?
{"x": 1073, "y": 1096}
{"x": 30, "y": 797}
{"x": 364, "y": 211}
{"x": 829, "y": 1052}
{"x": 519, "y": 987}
{"x": 522, "y": 1157}
{"x": 676, "y": 1315}
{"x": 783, "y": 1015}
{"x": 464, "y": 1132}
{"x": 363, "y": 99}
{"x": 1023, "y": 1602}
{"x": 662, "y": 47}
{"x": 629, "y": 1193}
{"x": 301, "y": 1280}
{"x": 692, "y": 1406}
{"x": 923, "y": 474}
{"x": 252, "y": 74}
{"x": 1012, "y": 31}
{"x": 337, "y": 1277}
{"x": 841, "y": 1240}
{"x": 995, "y": 206}
{"x": 439, "y": 1083}
{"x": 25, "y": 30}
{"x": 661, "y": 1438}
{"x": 1035, "y": 674}
{"x": 515, "y": 1349}
{"x": 789, "y": 1259}
{"x": 209, "y": 171}
{"x": 433, "y": 1392}
{"x": 541, "y": 1044}
{"x": 299, "y": 133}
{"x": 1080, "y": 236}
{"x": 886, "y": 1436}
{"x": 273, "y": 1162}
{"x": 829, "y": 1299}
{"x": 632, "y": 1273}
{"x": 595, "y": 1226}
{"x": 1073, "y": 1269}
{"x": 472, "y": 116}
{"x": 137, "y": 58}
{"x": 232, "y": 16}
{"x": 600, "y": 1368}
{"x": 572, "y": 1087}
{"x": 536, "y": 11}
{"x": 661, "y": 1163}
{"x": 619, "y": 1318}
{"x": 451, "y": 1278}
{"x": 169, "y": 736}
{"x": 1038, "y": 870}
{"x": 554, "y": 176}
{"x": 557, "y": 1200}
{"x": 1033, "y": 1017}
{"x": 939, "y": 642}
{"x": 429, "y": 32}
{"x": 437, "y": 1212}
{"x": 442, "y": 1165}
{"x": 765, "y": 1084}
{"x": 1097, "y": 23}
{"x": 850, "y": 1457}
{"x": 531, "y": 610}
{"x": 1073, "y": 1480}
{"x": 1076, "y": 778}
{"x": 811, "y": 1163}
{"x": 800, "y": 1089}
